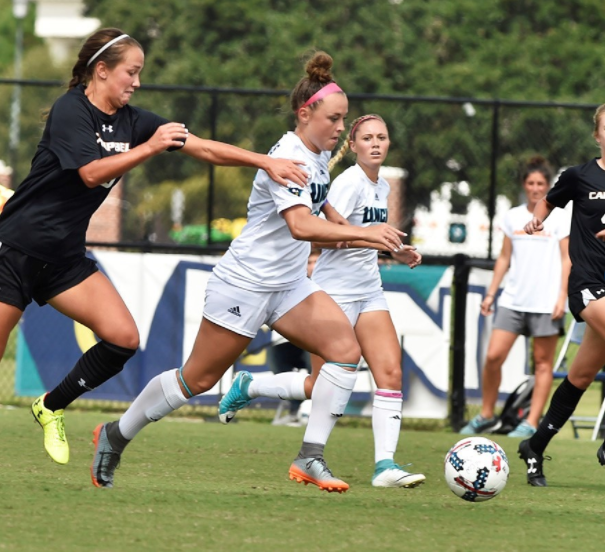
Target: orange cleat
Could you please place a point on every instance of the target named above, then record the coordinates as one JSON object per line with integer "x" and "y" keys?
{"x": 316, "y": 471}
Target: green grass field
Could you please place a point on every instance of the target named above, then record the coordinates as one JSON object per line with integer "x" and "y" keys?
{"x": 193, "y": 485}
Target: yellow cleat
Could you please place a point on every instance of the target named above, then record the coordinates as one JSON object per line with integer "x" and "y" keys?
{"x": 53, "y": 424}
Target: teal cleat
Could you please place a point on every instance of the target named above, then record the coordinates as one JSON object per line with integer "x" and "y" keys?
{"x": 236, "y": 398}
{"x": 479, "y": 424}
{"x": 523, "y": 430}
{"x": 389, "y": 474}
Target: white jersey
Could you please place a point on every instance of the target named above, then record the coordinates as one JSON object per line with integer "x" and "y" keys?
{"x": 533, "y": 282}
{"x": 352, "y": 274}
{"x": 265, "y": 256}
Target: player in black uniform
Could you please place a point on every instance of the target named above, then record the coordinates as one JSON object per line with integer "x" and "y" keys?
{"x": 92, "y": 137}
{"x": 585, "y": 186}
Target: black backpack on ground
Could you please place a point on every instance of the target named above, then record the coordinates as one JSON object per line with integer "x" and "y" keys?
{"x": 516, "y": 407}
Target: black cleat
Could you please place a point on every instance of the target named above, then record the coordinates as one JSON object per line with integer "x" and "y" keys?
{"x": 601, "y": 454}
{"x": 533, "y": 461}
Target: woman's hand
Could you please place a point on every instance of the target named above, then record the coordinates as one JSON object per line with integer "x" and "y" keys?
{"x": 384, "y": 235}
{"x": 170, "y": 135}
{"x": 535, "y": 225}
{"x": 487, "y": 305}
{"x": 286, "y": 171}
{"x": 559, "y": 310}
{"x": 408, "y": 255}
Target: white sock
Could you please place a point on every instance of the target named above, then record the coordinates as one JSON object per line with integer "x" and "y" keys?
{"x": 386, "y": 423}
{"x": 330, "y": 396}
{"x": 161, "y": 396}
{"x": 286, "y": 386}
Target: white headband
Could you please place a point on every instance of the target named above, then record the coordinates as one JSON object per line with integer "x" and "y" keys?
{"x": 104, "y": 47}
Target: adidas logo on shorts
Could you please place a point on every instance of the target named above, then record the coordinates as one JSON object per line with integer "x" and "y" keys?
{"x": 234, "y": 310}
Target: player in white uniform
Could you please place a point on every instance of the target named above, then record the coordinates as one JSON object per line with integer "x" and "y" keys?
{"x": 349, "y": 274}
{"x": 262, "y": 280}
{"x": 530, "y": 304}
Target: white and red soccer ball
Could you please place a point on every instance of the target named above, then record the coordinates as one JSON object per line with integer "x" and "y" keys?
{"x": 476, "y": 469}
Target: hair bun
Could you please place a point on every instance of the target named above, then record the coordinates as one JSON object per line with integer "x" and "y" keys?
{"x": 537, "y": 163}
{"x": 537, "y": 160}
{"x": 319, "y": 67}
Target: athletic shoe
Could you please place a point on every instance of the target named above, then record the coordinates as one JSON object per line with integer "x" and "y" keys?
{"x": 479, "y": 424}
{"x": 523, "y": 430}
{"x": 53, "y": 424}
{"x": 316, "y": 471}
{"x": 105, "y": 461}
{"x": 533, "y": 461}
{"x": 290, "y": 420}
{"x": 389, "y": 474}
{"x": 236, "y": 398}
{"x": 601, "y": 454}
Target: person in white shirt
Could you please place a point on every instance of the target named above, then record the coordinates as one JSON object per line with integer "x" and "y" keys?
{"x": 348, "y": 272}
{"x": 530, "y": 304}
{"x": 262, "y": 279}
{"x": 283, "y": 356}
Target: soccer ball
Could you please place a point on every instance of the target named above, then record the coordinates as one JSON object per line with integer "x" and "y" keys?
{"x": 476, "y": 469}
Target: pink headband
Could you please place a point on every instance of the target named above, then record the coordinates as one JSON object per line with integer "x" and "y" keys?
{"x": 362, "y": 120}
{"x": 321, "y": 94}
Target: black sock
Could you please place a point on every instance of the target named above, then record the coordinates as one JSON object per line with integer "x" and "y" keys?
{"x": 311, "y": 450}
{"x": 563, "y": 403}
{"x": 117, "y": 441}
{"x": 96, "y": 366}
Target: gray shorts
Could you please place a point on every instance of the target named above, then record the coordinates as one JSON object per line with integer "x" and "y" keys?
{"x": 530, "y": 324}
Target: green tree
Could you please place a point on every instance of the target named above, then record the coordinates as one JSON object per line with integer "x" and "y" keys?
{"x": 521, "y": 50}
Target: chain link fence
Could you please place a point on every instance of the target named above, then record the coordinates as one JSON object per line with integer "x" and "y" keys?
{"x": 174, "y": 203}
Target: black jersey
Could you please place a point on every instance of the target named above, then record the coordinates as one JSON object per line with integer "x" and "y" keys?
{"x": 49, "y": 213}
{"x": 585, "y": 186}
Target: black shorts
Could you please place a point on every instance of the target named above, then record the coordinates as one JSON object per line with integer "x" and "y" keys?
{"x": 23, "y": 278}
{"x": 578, "y": 301}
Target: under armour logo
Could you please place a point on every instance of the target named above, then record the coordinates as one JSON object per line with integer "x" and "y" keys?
{"x": 553, "y": 428}
{"x": 82, "y": 383}
{"x": 530, "y": 465}
{"x": 107, "y": 128}
{"x": 600, "y": 291}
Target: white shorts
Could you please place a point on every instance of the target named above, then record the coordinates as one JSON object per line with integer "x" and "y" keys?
{"x": 244, "y": 312}
{"x": 376, "y": 302}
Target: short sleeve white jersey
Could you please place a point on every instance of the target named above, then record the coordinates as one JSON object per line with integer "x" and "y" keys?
{"x": 533, "y": 281}
{"x": 265, "y": 256}
{"x": 352, "y": 274}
